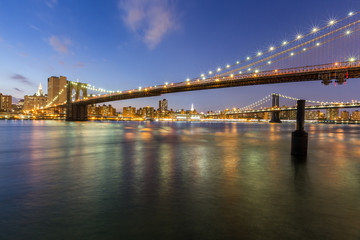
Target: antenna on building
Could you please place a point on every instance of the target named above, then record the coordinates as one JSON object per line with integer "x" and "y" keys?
{"x": 192, "y": 107}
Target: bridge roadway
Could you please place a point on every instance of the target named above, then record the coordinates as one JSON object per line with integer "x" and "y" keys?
{"x": 325, "y": 72}
{"x": 280, "y": 109}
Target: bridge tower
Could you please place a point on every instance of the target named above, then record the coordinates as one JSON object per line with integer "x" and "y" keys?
{"x": 275, "y": 118}
{"x": 76, "y": 111}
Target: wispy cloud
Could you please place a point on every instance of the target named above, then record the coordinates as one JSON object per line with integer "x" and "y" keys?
{"x": 152, "y": 20}
{"x": 79, "y": 65}
{"x": 21, "y": 79}
{"x": 35, "y": 27}
{"x": 61, "y": 45}
{"x": 18, "y": 90}
{"x": 51, "y": 3}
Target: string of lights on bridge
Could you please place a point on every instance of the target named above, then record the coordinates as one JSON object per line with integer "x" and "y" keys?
{"x": 267, "y": 98}
{"x": 267, "y": 60}
{"x": 273, "y": 48}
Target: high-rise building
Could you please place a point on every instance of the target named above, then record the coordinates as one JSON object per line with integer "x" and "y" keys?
{"x": 55, "y": 85}
{"x": 36, "y": 101}
{"x": 148, "y": 112}
{"x": 332, "y": 114}
{"x": 129, "y": 112}
{"x": 163, "y": 106}
{"x": 355, "y": 115}
{"x": 5, "y": 103}
{"x": 345, "y": 115}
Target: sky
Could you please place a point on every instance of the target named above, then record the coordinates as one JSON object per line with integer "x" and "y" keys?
{"x": 124, "y": 44}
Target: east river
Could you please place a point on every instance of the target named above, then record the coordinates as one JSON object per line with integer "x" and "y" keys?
{"x": 180, "y": 180}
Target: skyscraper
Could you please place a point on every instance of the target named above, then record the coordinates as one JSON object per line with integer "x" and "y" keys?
{"x": 163, "y": 105}
{"x": 55, "y": 85}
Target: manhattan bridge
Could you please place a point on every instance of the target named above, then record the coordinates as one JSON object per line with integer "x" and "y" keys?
{"x": 328, "y": 54}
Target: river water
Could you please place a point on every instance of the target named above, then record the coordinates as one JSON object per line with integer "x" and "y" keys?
{"x": 180, "y": 180}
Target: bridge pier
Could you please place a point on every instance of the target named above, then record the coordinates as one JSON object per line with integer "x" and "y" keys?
{"x": 76, "y": 112}
{"x": 275, "y": 115}
{"x": 299, "y": 138}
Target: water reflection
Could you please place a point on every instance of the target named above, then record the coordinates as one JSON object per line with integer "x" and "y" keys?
{"x": 177, "y": 181}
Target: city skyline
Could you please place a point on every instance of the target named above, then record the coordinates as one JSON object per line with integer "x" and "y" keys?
{"x": 122, "y": 37}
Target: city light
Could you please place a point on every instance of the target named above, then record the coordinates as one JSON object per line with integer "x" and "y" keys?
{"x": 315, "y": 29}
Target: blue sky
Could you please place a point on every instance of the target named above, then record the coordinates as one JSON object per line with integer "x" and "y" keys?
{"x": 119, "y": 45}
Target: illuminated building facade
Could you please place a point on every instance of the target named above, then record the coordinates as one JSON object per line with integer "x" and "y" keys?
{"x": 55, "y": 85}
{"x": 332, "y": 114}
{"x": 128, "y": 112}
{"x": 5, "y": 103}
{"x": 355, "y": 115}
{"x": 37, "y": 101}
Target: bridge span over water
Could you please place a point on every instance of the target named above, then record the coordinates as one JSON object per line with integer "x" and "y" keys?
{"x": 320, "y": 55}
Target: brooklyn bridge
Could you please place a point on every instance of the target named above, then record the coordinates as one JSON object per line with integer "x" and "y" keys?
{"x": 327, "y": 54}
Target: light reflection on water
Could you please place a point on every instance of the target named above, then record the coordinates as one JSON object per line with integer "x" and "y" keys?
{"x": 92, "y": 180}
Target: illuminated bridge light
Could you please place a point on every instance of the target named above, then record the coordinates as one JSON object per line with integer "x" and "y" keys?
{"x": 227, "y": 66}
{"x": 269, "y": 62}
{"x": 318, "y": 44}
{"x": 331, "y": 22}
{"x": 237, "y": 62}
{"x": 352, "y": 59}
{"x": 248, "y": 58}
{"x": 304, "y": 49}
{"x": 249, "y": 69}
{"x": 202, "y": 75}
{"x": 298, "y": 36}
{"x": 188, "y": 79}
{"x": 271, "y": 48}
{"x": 292, "y": 54}
{"x": 351, "y": 13}
{"x": 348, "y": 32}
{"x": 256, "y": 71}
{"x": 240, "y": 72}
{"x": 315, "y": 29}
{"x": 259, "y": 53}
{"x": 284, "y": 43}
{"x": 219, "y": 69}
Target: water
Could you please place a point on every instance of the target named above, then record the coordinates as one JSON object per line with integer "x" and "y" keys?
{"x": 130, "y": 180}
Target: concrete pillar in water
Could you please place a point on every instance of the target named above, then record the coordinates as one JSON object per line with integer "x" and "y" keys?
{"x": 299, "y": 138}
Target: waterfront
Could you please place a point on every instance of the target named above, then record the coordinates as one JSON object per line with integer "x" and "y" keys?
{"x": 177, "y": 180}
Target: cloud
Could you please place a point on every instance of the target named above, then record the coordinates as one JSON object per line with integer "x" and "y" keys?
{"x": 35, "y": 27}
{"x": 21, "y": 79}
{"x": 61, "y": 45}
{"x": 24, "y": 54}
{"x": 152, "y": 20}
{"x": 51, "y": 3}
{"x": 79, "y": 65}
{"x": 17, "y": 89}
